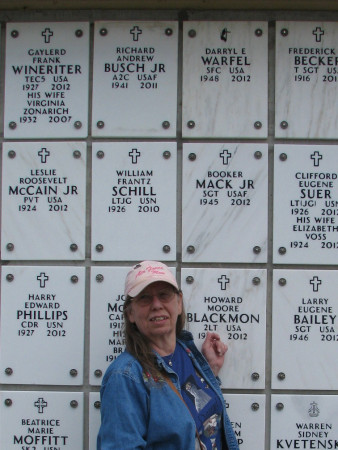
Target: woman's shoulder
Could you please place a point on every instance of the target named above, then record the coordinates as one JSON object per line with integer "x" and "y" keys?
{"x": 124, "y": 365}
{"x": 186, "y": 339}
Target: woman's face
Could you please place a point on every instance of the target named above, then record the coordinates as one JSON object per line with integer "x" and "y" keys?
{"x": 155, "y": 310}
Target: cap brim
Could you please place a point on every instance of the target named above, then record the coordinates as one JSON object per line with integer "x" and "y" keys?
{"x": 137, "y": 289}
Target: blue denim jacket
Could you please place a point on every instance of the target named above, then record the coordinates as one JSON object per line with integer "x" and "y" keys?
{"x": 138, "y": 412}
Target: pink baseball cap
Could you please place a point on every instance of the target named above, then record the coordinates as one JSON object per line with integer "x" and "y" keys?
{"x": 145, "y": 273}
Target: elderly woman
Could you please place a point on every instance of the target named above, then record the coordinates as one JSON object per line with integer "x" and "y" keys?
{"x": 162, "y": 393}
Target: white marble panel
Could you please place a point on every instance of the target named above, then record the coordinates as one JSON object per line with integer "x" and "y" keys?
{"x": 135, "y": 79}
{"x": 106, "y": 318}
{"x": 230, "y": 302}
{"x": 134, "y": 201}
{"x": 41, "y": 420}
{"x": 225, "y": 79}
{"x": 43, "y": 200}
{"x": 94, "y": 418}
{"x": 247, "y": 416}
{"x": 224, "y": 202}
{"x": 42, "y": 325}
{"x": 305, "y": 329}
{"x": 306, "y": 95}
{"x": 47, "y": 73}
{"x": 305, "y": 204}
{"x": 304, "y": 421}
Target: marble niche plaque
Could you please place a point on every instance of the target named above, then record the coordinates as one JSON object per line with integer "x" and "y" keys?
{"x": 306, "y": 204}
{"x": 306, "y": 93}
{"x": 134, "y": 201}
{"x": 305, "y": 329}
{"x": 94, "y": 419}
{"x": 42, "y": 325}
{"x": 106, "y": 318}
{"x": 225, "y": 79}
{"x": 43, "y": 200}
{"x": 135, "y": 79}
{"x": 41, "y": 420}
{"x": 230, "y": 302}
{"x": 46, "y": 80}
{"x": 224, "y": 202}
{"x": 304, "y": 421}
{"x": 247, "y": 416}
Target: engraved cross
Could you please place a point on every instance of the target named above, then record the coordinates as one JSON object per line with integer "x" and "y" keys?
{"x": 43, "y": 153}
{"x": 223, "y": 281}
{"x": 135, "y": 32}
{"x": 318, "y": 32}
{"x": 316, "y": 156}
{"x": 47, "y": 34}
{"x": 134, "y": 154}
{"x": 316, "y": 282}
{"x": 40, "y": 404}
{"x": 225, "y": 155}
{"x": 42, "y": 278}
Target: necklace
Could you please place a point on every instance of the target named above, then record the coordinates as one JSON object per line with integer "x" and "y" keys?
{"x": 168, "y": 359}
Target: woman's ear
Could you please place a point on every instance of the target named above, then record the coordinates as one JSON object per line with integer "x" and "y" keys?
{"x": 130, "y": 314}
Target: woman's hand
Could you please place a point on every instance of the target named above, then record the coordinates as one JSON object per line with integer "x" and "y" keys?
{"x": 214, "y": 351}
